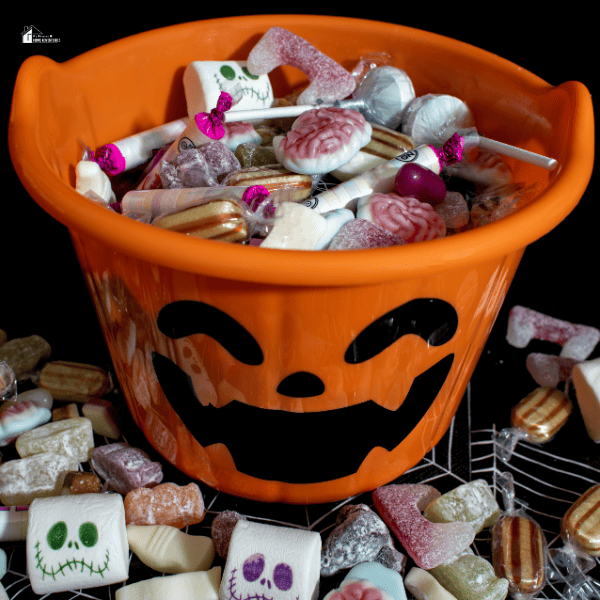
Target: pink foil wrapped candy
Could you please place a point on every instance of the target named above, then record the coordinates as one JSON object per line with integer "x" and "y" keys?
{"x": 322, "y": 139}
{"x": 428, "y": 544}
{"x": 277, "y": 47}
{"x": 406, "y": 217}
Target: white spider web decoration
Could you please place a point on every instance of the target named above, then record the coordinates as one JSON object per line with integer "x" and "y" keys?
{"x": 462, "y": 455}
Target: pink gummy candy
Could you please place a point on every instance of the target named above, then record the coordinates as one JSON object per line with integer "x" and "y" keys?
{"x": 322, "y": 140}
{"x": 548, "y": 370}
{"x": 525, "y": 324}
{"x": 429, "y": 544}
{"x": 357, "y": 234}
{"x": 277, "y": 47}
{"x": 406, "y": 217}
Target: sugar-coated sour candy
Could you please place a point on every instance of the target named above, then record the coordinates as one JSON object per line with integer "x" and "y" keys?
{"x": 70, "y": 437}
{"x": 586, "y": 379}
{"x": 581, "y": 523}
{"x": 165, "y": 504}
{"x": 429, "y": 544}
{"x": 329, "y": 81}
{"x": 168, "y": 550}
{"x": 36, "y": 476}
{"x": 471, "y": 577}
{"x": 125, "y": 468}
{"x": 268, "y": 559}
{"x": 357, "y": 234}
{"x": 221, "y": 529}
{"x": 405, "y": 217}
{"x": 471, "y": 502}
{"x": 183, "y": 586}
{"x": 358, "y": 537}
{"x": 322, "y": 140}
{"x": 76, "y": 542}
{"x": 549, "y": 370}
{"x": 525, "y": 324}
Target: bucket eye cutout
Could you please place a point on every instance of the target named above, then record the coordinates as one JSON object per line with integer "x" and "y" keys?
{"x": 186, "y": 317}
{"x": 434, "y": 320}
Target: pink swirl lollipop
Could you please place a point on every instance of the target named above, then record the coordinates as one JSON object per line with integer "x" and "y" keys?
{"x": 408, "y": 218}
{"x": 322, "y": 140}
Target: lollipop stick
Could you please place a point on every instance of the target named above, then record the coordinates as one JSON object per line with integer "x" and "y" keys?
{"x": 472, "y": 138}
{"x": 275, "y": 112}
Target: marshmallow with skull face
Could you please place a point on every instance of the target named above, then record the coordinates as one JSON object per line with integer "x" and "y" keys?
{"x": 76, "y": 542}
{"x": 268, "y": 562}
{"x": 204, "y": 80}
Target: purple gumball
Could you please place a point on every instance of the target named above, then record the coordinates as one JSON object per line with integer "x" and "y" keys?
{"x": 418, "y": 182}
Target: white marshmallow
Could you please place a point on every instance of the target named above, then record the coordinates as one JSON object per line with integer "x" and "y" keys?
{"x": 91, "y": 181}
{"x": 183, "y": 586}
{"x": 76, "y": 542}
{"x": 267, "y": 561}
{"x": 204, "y": 80}
{"x": 296, "y": 227}
{"x": 586, "y": 378}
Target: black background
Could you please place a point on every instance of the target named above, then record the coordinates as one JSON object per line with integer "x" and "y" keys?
{"x": 42, "y": 290}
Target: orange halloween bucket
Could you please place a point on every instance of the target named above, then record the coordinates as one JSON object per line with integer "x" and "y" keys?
{"x": 284, "y": 375}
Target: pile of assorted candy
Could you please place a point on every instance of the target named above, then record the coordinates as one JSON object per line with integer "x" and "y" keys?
{"x": 80, "y": 525}
{"x": 350, "y": 160}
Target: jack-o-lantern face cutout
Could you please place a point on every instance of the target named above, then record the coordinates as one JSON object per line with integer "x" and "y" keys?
{"x": 303, "y": 457}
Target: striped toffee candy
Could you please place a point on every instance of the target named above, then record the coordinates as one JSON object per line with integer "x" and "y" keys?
{"x": 67, "y": 380}
{"x": 542, "y": 413}
{"x": 519, "y": 554}
{"x": 581, "y": 523}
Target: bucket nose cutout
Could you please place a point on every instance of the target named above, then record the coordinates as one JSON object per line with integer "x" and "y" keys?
{"x": 301, "y": 385}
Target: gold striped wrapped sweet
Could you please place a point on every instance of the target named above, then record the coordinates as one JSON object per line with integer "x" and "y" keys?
{"x": 542, "y": 413}
{"x": 519, "y": 554}
{"x": 67, "y": 380}
{"x": 223, "y": 220}
{"x": 273, "y": 177}
{"x": 581, "y": 523}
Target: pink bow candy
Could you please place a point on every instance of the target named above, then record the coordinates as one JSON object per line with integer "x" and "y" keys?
{"x": 211, "y": 124}
{"x": 451, "y": 152}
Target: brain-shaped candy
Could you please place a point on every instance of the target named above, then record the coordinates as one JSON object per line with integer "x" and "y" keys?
{"x": 322, "y": 140}
{"x": 408, "y": 218}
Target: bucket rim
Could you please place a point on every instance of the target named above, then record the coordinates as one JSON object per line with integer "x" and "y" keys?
{"x": 83, "y": 217}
